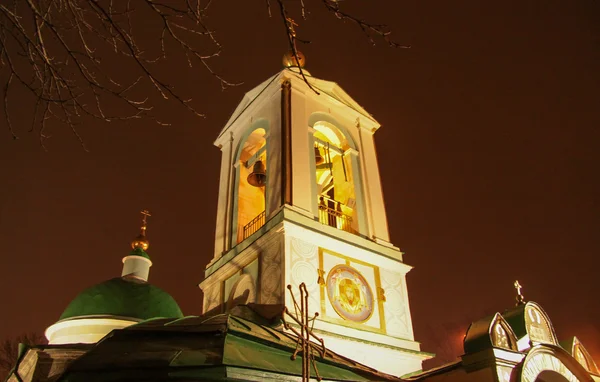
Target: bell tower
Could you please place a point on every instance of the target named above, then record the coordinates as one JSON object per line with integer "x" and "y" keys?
{"x": 300, "y": 201}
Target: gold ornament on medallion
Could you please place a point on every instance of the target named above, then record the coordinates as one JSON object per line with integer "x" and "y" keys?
{"x": 349, "y": 293}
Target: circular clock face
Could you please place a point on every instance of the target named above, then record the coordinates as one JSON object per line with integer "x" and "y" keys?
{"x": 349, "y": 293}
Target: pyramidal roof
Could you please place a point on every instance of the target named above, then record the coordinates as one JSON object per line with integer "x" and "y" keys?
{"x": 322, "y": 87}
{"x": 241, "y": 345}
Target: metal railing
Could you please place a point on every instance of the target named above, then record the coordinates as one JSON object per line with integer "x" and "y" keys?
{"x": 254, "y": 225}
{"x": 330, "y": 213}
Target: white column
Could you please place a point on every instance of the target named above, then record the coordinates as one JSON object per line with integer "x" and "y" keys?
{"x": 223, "y": 221}
{"x": 234, "y": 204}
{"x": 313, "y": 173}
{"x": 273, "y": 196}
{"x": 301, "y": 153}
{"x": 359, "y": 184}
{"x": 373, "y": 187}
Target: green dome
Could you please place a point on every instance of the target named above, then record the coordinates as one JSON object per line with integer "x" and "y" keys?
{"x": 124, "y": 298}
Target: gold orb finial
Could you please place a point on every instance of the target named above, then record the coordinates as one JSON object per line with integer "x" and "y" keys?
{"x": 290, "y": 61}
{"x": 141, "y": 241}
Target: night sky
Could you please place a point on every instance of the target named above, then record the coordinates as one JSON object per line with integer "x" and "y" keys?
{"x": 489, "y": 154}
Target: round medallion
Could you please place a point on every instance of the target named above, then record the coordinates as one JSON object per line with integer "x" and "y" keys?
{"x": 349, "y": 293}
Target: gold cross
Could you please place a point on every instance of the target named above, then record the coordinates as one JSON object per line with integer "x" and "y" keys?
{"x": 145, "y": 215}
{"x": 292, "y": 24}
{"x": 520, "y": 298}
{"x": 518, "y": 286}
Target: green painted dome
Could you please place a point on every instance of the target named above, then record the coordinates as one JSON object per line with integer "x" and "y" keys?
{"x": 125, "y": 298}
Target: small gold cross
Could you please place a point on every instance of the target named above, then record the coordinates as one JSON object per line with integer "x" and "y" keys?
{"x": 518, "y": 286}
{"x": 292, "y": 24}
{"x": 520, "y": 298}
{"x": 145, "y": 215}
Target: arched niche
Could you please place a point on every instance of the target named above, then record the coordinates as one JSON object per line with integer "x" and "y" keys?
{"x": 538, "y": 325}
{"x": 580, "y": 353}
{"x": 531, "y": 325}
{"x": 502, "y": 335}
{"x": 336, "y": 178}
{"x": 249, "y": 198}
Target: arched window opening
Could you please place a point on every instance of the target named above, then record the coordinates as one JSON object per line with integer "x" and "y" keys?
{"x": 336, "y": 193}
{"x": 252, "y": 179}
{"x": 500, "y": 337}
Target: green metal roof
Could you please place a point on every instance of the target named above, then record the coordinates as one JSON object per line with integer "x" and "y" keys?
{"x": 516, "y": 319}
{"x": 478, "y": 336}
{"x": 220, "y": 348}
{"x": 125, "y": 298}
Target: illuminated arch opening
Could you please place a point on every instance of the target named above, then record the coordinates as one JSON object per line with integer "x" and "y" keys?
{"x": 250, "y": 168}
{"x": 336, "y": 180}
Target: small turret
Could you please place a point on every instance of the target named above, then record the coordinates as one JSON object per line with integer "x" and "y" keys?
{"x": 137, "y": 264}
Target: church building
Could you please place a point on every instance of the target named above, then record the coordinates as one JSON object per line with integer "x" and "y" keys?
{"x": 304, "y": 283}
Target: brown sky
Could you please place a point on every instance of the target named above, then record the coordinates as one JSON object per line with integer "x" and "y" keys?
{"x": 489, "y": 155}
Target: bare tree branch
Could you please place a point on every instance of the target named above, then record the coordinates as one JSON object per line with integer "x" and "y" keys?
{"x": 291, "y": 34}
{"x": 56, "y": 50}
{"x": 9, "y": 349}
{"x": 64, "y": 53}
{"x": 370, "y": 30}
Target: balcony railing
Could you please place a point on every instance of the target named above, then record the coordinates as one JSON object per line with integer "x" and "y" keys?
{"x": 330, "y": 213}
{"x": 254, "y": 225}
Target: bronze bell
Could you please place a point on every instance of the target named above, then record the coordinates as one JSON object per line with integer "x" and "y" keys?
{"x": 258, "y": 176}
{"x": 318, "y": 157}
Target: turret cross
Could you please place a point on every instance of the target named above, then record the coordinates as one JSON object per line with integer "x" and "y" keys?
{"x": 520, "y": 298}
{"x": 145, "y": 215}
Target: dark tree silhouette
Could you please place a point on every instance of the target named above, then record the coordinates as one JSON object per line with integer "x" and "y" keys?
{"x": 9, "y": 349}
